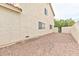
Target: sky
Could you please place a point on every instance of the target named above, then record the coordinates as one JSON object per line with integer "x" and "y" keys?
{"x": 64, "y": 10}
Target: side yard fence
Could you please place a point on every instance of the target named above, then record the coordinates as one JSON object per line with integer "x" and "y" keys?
{"x": 64, "y": 29}
{"x": 74, "y": 31}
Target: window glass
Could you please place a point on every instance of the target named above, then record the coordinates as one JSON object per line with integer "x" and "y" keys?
{"x": 50, "y": 26}
{"x": 45, "y": 11}
{"x": 41, "y": 25}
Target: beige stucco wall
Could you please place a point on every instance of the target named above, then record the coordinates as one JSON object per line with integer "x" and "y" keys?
{"x": 66, "y": 29}
{"x": 15, "y": 26}
{"x": 75, "y": 32}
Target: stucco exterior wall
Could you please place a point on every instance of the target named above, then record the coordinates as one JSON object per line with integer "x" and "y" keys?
{"x": 66, "y": 29}
{"x": 16, "y": 26}
{"x": 75, "y": 32}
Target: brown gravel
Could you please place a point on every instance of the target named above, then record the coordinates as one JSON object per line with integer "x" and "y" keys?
{"x": 51, "y": 44}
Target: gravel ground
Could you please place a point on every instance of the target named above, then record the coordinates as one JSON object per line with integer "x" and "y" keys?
{"x": 54, "y": 44}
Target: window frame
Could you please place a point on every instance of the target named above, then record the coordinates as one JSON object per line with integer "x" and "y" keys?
{"x": 41, "y": 25}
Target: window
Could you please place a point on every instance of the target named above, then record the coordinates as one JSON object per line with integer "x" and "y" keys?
{"x": 41, "y": 25}
{"x": 50, "y": 26}
{"x": 45, "y": 11}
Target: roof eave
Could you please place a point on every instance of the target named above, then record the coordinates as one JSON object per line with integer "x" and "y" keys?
{"x": 51, "y": 9}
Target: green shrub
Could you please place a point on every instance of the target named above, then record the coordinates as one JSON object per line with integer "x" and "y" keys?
{"x": 63, "y": 23}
